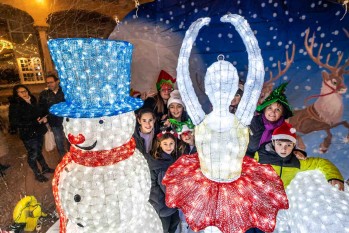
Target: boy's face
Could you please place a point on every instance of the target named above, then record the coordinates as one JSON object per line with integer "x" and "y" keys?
{"x": 283, "y": 148}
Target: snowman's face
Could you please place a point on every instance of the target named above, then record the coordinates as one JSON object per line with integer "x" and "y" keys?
{"x": 103, "y": 133}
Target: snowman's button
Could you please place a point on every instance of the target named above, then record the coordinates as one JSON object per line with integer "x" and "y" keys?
{"x": 67, "y": 119}
{"x": 101, "y": 121}
{"x": 77, "y": 198}
{"x": 80, "y": 225}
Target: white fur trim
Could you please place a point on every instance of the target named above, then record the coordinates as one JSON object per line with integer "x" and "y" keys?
{"x": 293, "y": 130}
{"x": 284, "y": 136}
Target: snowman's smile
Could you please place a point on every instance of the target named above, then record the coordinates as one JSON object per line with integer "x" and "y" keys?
{"x": 87, "y": 147}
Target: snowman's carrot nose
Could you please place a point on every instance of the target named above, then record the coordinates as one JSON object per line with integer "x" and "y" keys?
{"x": 76, "y": 139}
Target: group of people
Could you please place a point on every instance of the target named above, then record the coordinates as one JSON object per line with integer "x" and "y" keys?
{"x": 31, "y": 118}
{"x": 164, "y": 132}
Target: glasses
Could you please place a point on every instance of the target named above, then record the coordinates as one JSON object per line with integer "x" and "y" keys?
{"x": 166, "y": 89}
{"x": 50, "y": 82}
{"x": 22, "y": 92}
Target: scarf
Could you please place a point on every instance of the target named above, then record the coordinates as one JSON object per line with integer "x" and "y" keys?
{"x": 103, "y": 157}
{"x": 148, "y": 140}
{"x": 269, "y": 128}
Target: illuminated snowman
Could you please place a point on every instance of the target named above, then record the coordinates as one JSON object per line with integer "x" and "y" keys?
{"x": 103, "y": 183}
{"x": 218, "y": 188}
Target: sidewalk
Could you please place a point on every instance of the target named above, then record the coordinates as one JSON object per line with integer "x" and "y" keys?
{"x": 19, "y": 181}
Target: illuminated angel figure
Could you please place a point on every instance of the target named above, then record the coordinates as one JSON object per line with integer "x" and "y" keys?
{"x": 218, "y": 186}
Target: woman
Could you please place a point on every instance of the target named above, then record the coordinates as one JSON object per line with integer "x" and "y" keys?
{"x": 27, "y": 117}
{"x": 158, "y": 103}
{"x": 274, "y": 110}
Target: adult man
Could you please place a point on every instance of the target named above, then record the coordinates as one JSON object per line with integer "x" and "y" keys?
{"x": 50, "y": 96}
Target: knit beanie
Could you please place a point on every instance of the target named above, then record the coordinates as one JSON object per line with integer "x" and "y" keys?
{"x": 175, "y": 97}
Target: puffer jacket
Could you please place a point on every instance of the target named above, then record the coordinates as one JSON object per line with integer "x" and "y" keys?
{"x": 288, "y": 167}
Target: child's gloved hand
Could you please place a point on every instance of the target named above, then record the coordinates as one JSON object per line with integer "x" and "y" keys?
{"x": 337, "y": 183}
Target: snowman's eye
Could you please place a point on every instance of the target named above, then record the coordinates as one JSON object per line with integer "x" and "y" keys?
{"x": 77, "y": 198}
{"x": 67, "y": 119}
{"x": 101, "y": 121}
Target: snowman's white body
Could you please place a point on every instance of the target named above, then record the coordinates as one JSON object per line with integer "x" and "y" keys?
{"x": 112, "y": 198}
{"x": 315, "y": 206}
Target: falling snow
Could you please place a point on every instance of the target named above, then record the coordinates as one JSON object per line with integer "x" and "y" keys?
{"x": 308, "y": 88}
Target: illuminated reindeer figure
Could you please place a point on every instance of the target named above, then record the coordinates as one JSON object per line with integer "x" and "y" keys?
{"x": 327, "y": 111}
{"x": 268, "y": 85}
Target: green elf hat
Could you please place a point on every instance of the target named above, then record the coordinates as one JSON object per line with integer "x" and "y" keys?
{"x": 164, "y": 78}
{"x": 182, "y": 126}
{"x": 277, "y": 95}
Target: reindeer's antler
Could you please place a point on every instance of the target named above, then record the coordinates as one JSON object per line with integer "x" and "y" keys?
{"x": 317, "y": 59}
{"x": 289, "y": 62}
{"x": 346, "y": 32}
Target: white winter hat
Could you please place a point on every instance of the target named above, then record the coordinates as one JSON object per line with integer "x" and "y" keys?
{"x": 175, "y": 97}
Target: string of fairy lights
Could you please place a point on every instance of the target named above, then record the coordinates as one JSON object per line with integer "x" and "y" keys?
{"x": 17, "y": 53}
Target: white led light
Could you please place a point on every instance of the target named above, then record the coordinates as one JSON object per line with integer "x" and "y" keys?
{"x": 220, "y": 127}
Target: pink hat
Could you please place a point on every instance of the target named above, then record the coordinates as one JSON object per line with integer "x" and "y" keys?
{"x": 285, "y": 131}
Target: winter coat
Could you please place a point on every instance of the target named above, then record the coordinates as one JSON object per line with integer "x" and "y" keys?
{"x": 158, "y": 168}
{"x": 48, "y": 98}
{"x": 140, "y": 141}
{"x": 288, "y": 167}
{"x": 23, "y": 116}
{"x": 257, "y": 128}
{"x": 188, "y": 151}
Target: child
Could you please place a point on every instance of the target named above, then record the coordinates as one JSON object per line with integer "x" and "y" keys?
{"x": 186, "y": 147}
{"x": 274, "y": 110}
{"x": 280, "y": 154}
{"x": 163, "y": 156}
{"x": 185, "y": 131}
{"x": 145, "y": 130}
{"x": 176, "y": 110}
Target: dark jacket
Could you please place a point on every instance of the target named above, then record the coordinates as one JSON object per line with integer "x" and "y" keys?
{"x": 140, "y": 141}
{"x": 48, "y": 98}
{"x": 257, "y": 128}
{"x": 188, "y": 151}
{"x": 23, "y": 116}
{"x": 158, "y": 168}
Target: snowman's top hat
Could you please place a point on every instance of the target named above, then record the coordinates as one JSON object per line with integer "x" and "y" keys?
{"x": 94, "y": 76}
